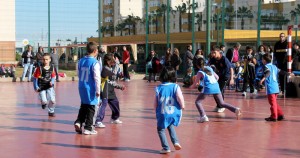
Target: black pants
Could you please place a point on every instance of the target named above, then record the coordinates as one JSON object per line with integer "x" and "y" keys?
{"x": 86, "y": 115}
{"x": 56, "y": 72}
{"x": 247, "y": 82}
{"x": 150, "y": 76}
{"x": 281, "y": 82}
{"x": 125, "y": 71}
{"x": 222, "y": 85}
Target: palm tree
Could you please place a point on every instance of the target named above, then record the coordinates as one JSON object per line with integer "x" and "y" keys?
{"x": 295, "y": 13}
{"x": 162, "y": 12}
{"x": 190, "y": 7}
{"x": 111, "y": 29}
{"x": 130, "y": 22}
{"x": 181, "y": 9}
{"x": 199, "y": 21}
{"x": 243, "y": 12}
{"x": 102, "y": 29}
{"x": 229, "y": 11}
{"x": 155, "y": 20}
{"x": 280, "y": 20}
{"x": 120, "y": 27}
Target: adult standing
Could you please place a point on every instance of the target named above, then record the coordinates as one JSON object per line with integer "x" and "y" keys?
{"x": 224, "y": 70}
{"x": 198, "y": 55}
{"x": 233, "y": 53}
{"x": 28, "y": 59}
{"x": 152, "y": 65}
{"x": 188, "y": 58}
{"x": 280, "y": 55}
{"x": 176, "y": 61}
{"x": 39, "y": 56}
{"x": 55, "y": 62}
{"x": 126, "y": 60}
{"x": 116, "y": 53}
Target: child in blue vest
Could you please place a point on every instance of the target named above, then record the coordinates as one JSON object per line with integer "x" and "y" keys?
{"x": 169, "y": 103}
{"x": 210, "y": 84}
{"x": 43, "y": 83}
{"x": 272, "y": 89}
{"x": 89, "y": 89}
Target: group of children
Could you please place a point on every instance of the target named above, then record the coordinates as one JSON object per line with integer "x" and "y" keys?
{"x": 95, "y": 81}
{"x": 7, "y": 71}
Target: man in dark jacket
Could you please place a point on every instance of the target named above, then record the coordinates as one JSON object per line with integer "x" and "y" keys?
{"x": 280, "y": 55}
{"x": 28, "y": 59}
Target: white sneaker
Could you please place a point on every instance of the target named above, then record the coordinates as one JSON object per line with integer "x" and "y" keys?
{"x": 220, "y": 110}
{"x": 238, "y": 113}
{"x": 88, "y": 132}
{"x": 203, "y": 119}
{"x": 255, "y": 92}
{"x": 78, "y": 128}
{"x": 244, "y": 94}
{"x": 99, "y": 125}
{"x": 117, "y": 121}
{"x": 177, "y": 146}
{"x": 163, "y": 151}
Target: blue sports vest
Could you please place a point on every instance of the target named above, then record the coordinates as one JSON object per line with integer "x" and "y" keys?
{"x": 168, "y": 111}
{"x": 211, "y": 85}
{"x": 86, "y": 83}
{"x": 271, "y": 82}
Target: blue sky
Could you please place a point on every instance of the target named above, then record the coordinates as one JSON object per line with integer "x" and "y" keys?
{"x": 69, "y": 19}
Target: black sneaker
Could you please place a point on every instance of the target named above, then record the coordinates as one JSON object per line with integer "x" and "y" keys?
{"x": 280, "y": 118}
{"x": 44, "y": 106}
{"x": 51, "y": 114}
{"x": 270, "y": 119}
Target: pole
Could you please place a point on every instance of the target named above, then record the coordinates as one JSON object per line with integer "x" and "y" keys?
{"x": 193, "y": 28}
{"x": 218, "y": 42}
{"x": 296, "y": 23}
{"x": 100, "y": 23}
{"x": 147, "y": 33}
{"x": 223, "y": 21}
{"x": 168, "y": 24}
{"x": 208, "y": 18}
{"x": 258, "y": 23}
{"x": 49, "y": 26}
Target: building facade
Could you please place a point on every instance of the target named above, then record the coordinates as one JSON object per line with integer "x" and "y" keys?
{"x": 7, "y": 31}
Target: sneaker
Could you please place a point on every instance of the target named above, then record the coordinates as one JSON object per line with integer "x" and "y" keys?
{"x": 51, "y": 114}
{"x": 220, "y": 110}
{"x": 163, "y": 151}
{"x": 244, "y": 94}
{"x": 238, "y": 113}
{"x": 127, "y": 80}
{"x": 100, "y": 125}
{"x": 203, "y": 119}
{"x": 255, "y": 92}
{"x": 44, "y": 106}
{"x": 88, "y": 132}
{"x": 280, "y": 118}
{"x": 270, "y": 119}
{"x": 177, "y": 146}
{"x": 78, "y": 128}
{"x": 117, "y": 121}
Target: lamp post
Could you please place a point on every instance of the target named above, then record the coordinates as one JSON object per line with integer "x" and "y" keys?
{"x": 258, "y": 23}
{"x": 223, "y": 21}
{"x": 147, "y": 32}
{"x": 193, "y": 28}
{"x": 49, "y": 26}
{"x": 168, "y": 23}
{"x": 99, "y": 22}
{"x": 208, "y": 18}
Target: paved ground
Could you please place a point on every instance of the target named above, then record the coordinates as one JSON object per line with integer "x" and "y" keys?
{"x": 26, "y": 130}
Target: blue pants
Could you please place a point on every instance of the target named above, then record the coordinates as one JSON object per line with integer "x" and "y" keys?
{"x": 114, "y": 106}
{"x": 163, "y": 139}
{"x": 27, "y": 67}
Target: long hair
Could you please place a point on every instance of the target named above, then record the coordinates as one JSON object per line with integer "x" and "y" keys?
{"x": 108, "y": 58}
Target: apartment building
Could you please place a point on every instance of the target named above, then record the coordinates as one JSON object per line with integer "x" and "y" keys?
{"x": 7, "y": 31}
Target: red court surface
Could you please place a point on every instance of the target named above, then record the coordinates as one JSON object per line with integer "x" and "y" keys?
{"x": 26, "y": 130}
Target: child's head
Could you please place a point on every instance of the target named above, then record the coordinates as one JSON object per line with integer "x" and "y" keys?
{"x": 167, "y": 74}
{"x": 200, "y": 63}
{"x": 249, "y": 49}
{"x": 237, "y": 64}
{"x": 91, "y": 48}
{"x": 189, "y": 71}
{"x": 267, "y": 58}
{"x": 46, "y": 59}
{"x": 109, "y": 59}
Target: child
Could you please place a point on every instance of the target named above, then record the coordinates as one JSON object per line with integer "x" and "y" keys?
{"x": 187, "y": 80}
{"x": 89, "y": 89}
{"x": 43, "y": 82}
{"x": 108, "y": 94}
{"x": 211, "y": 86}
{"x": 238, "y": 75}
{"x": 272, "y": 89}
{"x": 168, "y": 104}
{"x": 249, "y": 74}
